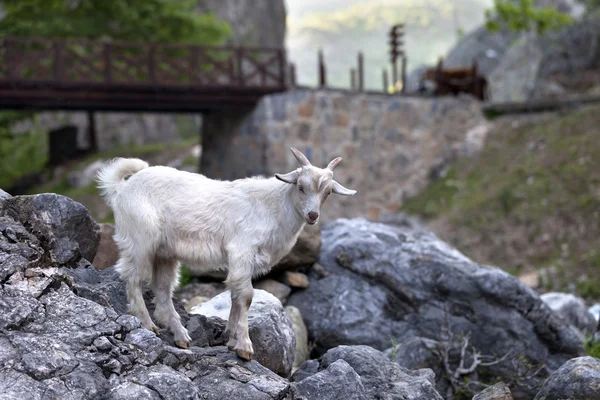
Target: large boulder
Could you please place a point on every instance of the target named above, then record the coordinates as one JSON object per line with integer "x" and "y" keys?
{"x": 380, "y": 377}
{"x": 65, "y": 225}
{"x": 337, "y": 381}
{"x": 572, "y": 309}
{"x": 389, "y": 283}
{"x": 577, "y": 379}
{"x": 270, "y": 329}
{"x": 55, "y": 343}
{"x": 499, "y": 391}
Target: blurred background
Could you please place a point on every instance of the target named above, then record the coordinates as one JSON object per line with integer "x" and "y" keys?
{"x": 489, "y": 139}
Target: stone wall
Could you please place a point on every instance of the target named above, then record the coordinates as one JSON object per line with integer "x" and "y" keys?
{"x": 391, "y": 145}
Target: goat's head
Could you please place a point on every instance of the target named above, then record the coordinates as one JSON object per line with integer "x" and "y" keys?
{"x": 312, "y": 186}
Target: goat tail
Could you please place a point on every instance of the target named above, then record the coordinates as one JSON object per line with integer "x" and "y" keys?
{"x": 111, "y": 176}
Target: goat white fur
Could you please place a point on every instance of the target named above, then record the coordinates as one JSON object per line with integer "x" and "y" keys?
{"x": 245, "y": 226}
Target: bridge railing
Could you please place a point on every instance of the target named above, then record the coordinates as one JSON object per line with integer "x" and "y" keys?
{"x": 77, "y": 62}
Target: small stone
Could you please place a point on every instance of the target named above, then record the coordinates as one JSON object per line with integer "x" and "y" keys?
{"x": 195, "y": 301}
{"x": 277, "y": 289}
{"x": 129, "y": 322}
{"x": 531, "y": 279}
{"x": 143, "y": 338}
{"x": 102, "y": 343}
{"x": 497, "y": 392}
{"x": 113, "y": 366}
{"x": 295, "y": 279}
{"x": 319, "y": 271}
{"x": 302, "y": 352}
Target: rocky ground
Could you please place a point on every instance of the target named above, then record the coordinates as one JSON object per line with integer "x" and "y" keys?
{"x": 391, "y": 312}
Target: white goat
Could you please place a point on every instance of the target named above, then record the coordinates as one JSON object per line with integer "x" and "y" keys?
{"x": 245, "y": 226}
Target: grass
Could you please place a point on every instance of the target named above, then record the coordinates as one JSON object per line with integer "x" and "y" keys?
{"x": 530, "y": 199}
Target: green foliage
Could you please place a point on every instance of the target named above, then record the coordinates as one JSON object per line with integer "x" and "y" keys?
{"x": 20, "y": 154}
{"x": 134, "y": 20}
{"x": 185, "y": 276}
{"x": 529, "y": 200}
{"x": 523, "y": 16}
{"x": 591, "y": 348}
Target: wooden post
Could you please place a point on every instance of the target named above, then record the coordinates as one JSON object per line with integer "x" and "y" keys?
{"x": 384, "y": 75}
{"x": 152, "y": 63}
{"x": 58, "y": 60}
{"x": 107, "y": 63}
{"x": 239, "y": 55}
{"x": 352, "y": 79}
{"x": 361, "y": 72}
{"x": 394, "y": 72}
{"x": 282, "y": 71}
{"x": 403, "y": 74}
{"x": 92, "y": 131}
{"x": 322, "y": 71}
{"x": 292, "y": 68}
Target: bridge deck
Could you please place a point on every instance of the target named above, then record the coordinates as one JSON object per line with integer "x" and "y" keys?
{"x": 37, "y": 73}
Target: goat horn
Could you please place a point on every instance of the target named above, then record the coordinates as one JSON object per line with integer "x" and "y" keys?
{"x": 334, "y": 163}
{"x": 300, "y": 157}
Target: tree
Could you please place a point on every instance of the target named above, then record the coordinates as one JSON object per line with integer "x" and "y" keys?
{"x": 133, "y": 20}
{"x": 523, "y": 16}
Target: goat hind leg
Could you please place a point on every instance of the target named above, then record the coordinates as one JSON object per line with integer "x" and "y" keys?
{"x": 164, "y": 280}
{"x": 132, "y": 272}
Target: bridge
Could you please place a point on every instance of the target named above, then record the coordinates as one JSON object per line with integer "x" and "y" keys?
{"x": 75, "y": 74}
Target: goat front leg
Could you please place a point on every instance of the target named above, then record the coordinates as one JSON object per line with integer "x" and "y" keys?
{"x": 239, "y": 282}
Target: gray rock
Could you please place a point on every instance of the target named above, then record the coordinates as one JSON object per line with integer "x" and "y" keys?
{"x": 337, "y": 381}
{"x": 381, "y": 378}
{"x": 301, "y": 354}
{"x": 499, "y": 391}
{"x": 4, "y": 195}
{"x": 130, "y": 390}
{"x": 307, "y": 369}
{"x": 270, "y": 329}
{"x": 577, "y": 379}
{"x": 515, "y": 77}
{"x": 62, "y": 335}
{"x": 572, "y": 309}
{"x": 415, "y": 353}
{"x": 488, "y": 49}
{"x": 388, "y": 283}
{"x": 277, "y": 289}
{"x": 60, "y": 221}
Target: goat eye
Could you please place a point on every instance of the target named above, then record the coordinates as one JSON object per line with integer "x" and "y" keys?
{"x": 300, "y": 188}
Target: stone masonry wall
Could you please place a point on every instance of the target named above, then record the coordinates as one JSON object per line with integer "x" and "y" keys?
{"x": 391, "y": 145}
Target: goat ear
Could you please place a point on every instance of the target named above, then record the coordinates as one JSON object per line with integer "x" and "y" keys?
{"x": 339, "y": 189}
{"x": 291, "y": 177}
{"x": 300, "y": 157}
{"x": 334, "y": 163}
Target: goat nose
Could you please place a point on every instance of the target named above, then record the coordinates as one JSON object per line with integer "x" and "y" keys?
{"x": 313, "y": 215}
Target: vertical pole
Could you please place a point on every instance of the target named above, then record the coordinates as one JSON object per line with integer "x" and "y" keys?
{"x": 322, "y": 71}
{"x": 92, "y": 131}
{"x": 107, "y": 64}
{"x": 58, "y": 60}
{"x": 282, "y": 71}
{"x": 384, "y": 75}
{"x": 292, "y": 73}
{"x": 152, "y": 63}
{"x": 394, "y": 71}
{"x": 361, "y": 72}
{"x": 352, "y": 79}
{"x": 403, "y": 74}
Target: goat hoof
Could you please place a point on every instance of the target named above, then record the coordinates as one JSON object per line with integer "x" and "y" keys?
{"x": 231, "y": 344}
{"x": 244, "y": 353}
{"x": 154, "y": 329}
{"x": 182, "y": 344}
